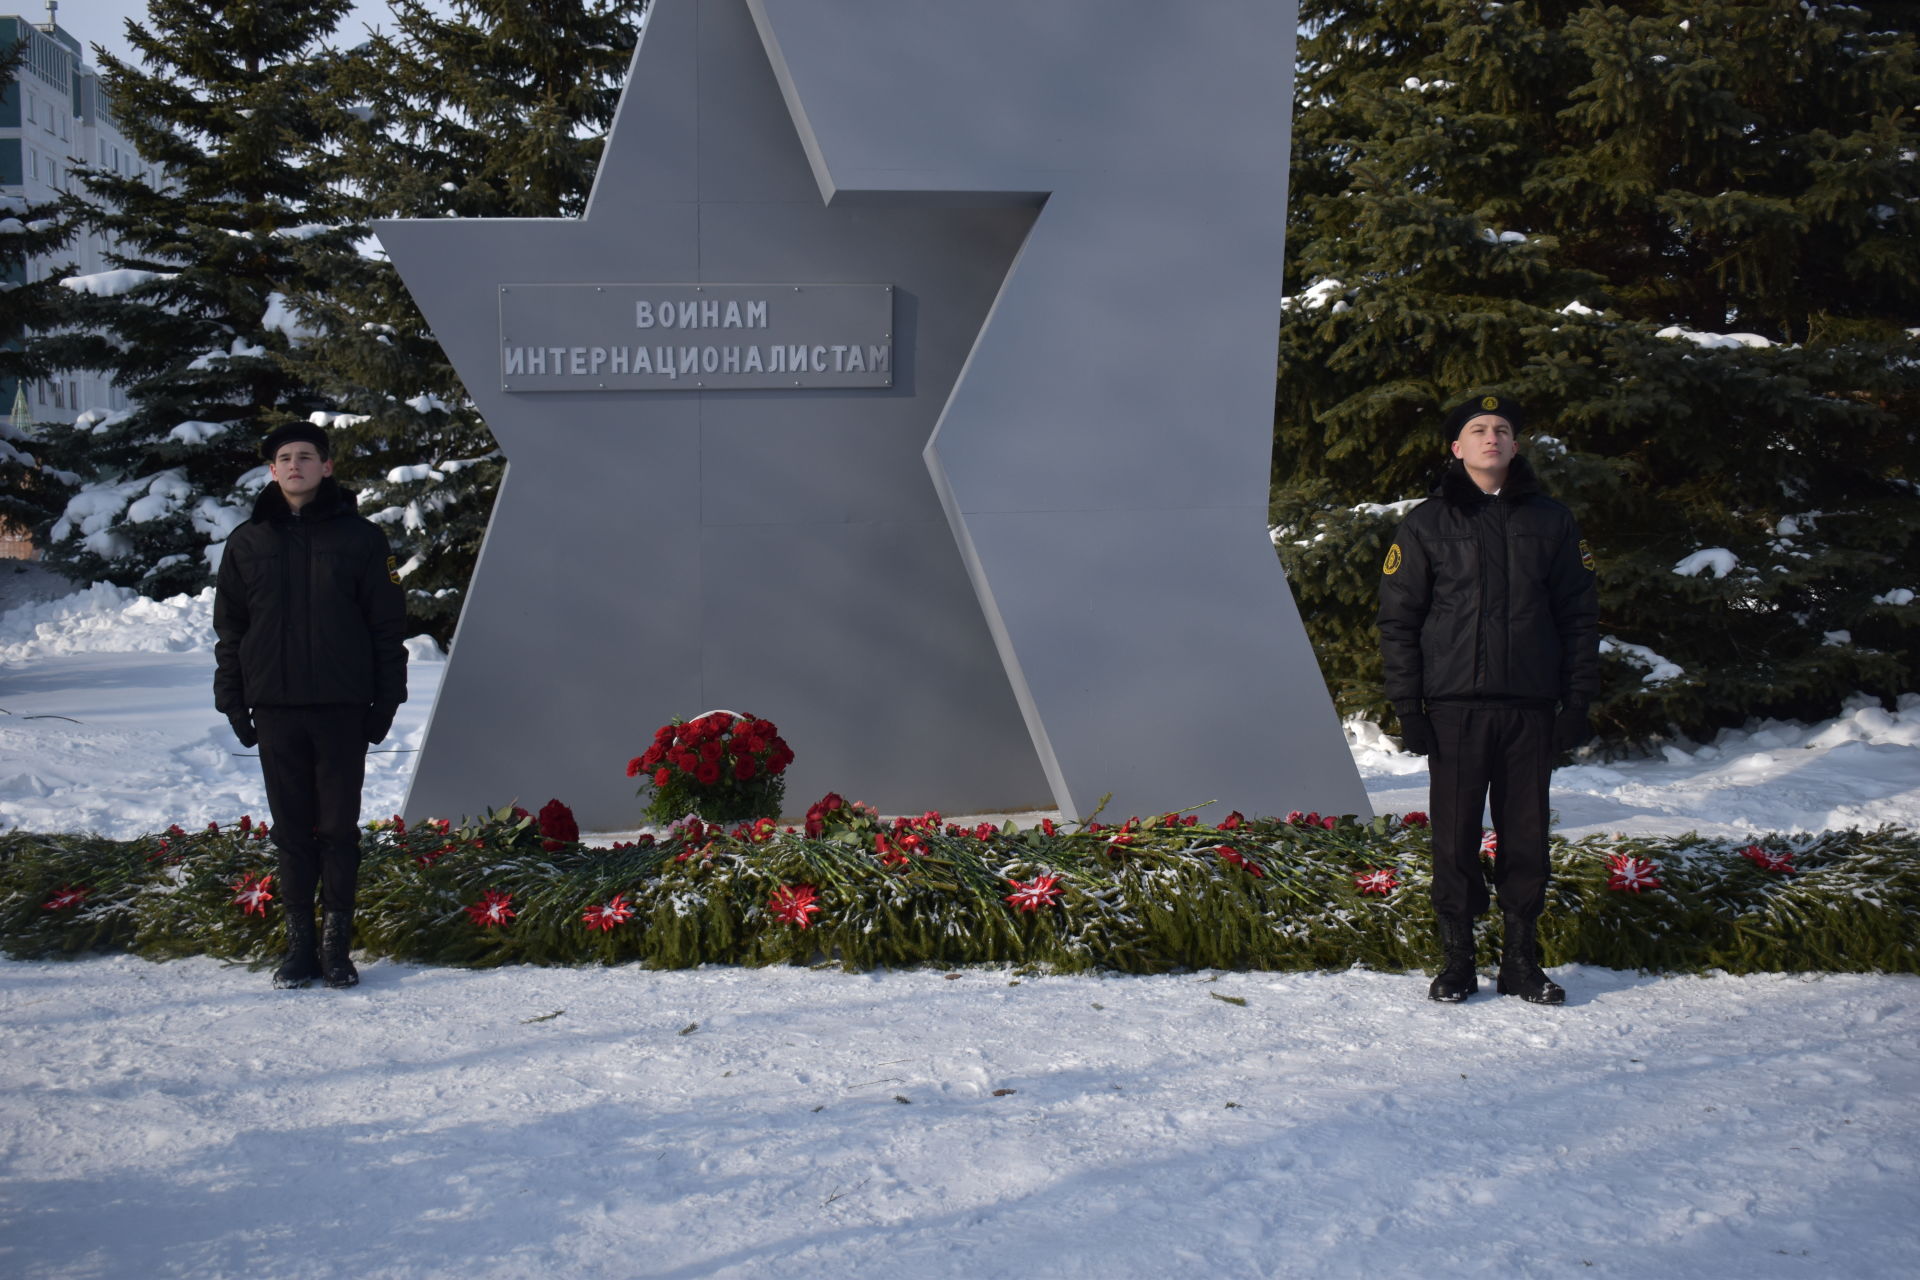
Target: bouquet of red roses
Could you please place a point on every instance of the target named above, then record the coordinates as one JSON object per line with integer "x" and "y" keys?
{"x": 722, "y": 766}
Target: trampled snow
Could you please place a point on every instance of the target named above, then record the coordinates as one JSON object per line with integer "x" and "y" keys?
{"x": 185, "y": 1119}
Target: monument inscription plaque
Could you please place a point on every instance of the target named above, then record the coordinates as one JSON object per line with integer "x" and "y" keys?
{"x": 662, "y": 337}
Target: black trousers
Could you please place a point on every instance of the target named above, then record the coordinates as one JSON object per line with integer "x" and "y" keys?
{"x": 1504, "y": 752}
{"x": 314, "y": 760}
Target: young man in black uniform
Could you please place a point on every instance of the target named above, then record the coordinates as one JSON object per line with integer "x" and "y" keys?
{"x": 1489, "y": 628}
{"x": 311, "y": 664}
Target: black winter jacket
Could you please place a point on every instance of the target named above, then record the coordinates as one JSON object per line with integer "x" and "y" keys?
{"x": 1489, "y": 598}
{"x": 308, "y": 609}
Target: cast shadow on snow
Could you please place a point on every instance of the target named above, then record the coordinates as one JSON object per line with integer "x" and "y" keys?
{"x": 563, "y": 1189}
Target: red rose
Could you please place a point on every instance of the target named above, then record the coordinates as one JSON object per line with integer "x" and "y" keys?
{"x": 663, "y": 735}
{"x": 707, "y": 773}
{"x": 710, "y": 751}
{"x": 1234, "y": 821}
{"x": 1415, "y": 818}
{"x": 557, "y": 824}
{"x": 831, "y": 801}
{"x": 743, "y": 769}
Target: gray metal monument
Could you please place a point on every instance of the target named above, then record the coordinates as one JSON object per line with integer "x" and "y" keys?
{"x": 908, "y": 381}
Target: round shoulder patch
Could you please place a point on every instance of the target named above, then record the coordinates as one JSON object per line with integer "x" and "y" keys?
{"x": 1586, "y": 556}
{"x": 1393, "y": 560}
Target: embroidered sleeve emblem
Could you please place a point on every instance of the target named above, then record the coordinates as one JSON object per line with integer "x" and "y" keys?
{"x": 1393, "y": 560}
{"x": 1586, "y": 556}
{"x": 393, "y": 572}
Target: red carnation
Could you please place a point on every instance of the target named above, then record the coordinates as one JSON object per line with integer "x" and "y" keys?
{"x": 1228, "y": 854}
{"x": 1234, "y": 821}
{"x": 635, "y": 766}
{"x": 662, "y": 777}
{"x": 1414, "y": 819}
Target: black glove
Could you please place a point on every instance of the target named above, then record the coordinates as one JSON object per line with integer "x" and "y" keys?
{"x": 242, "y": 723}
{"x": 379, "y": 720}
{"x": 1571, "y": 729}
{"x": 1416, "y": 730}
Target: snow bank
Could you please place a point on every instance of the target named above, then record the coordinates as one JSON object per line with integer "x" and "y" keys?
{"x": 107, "y": 619}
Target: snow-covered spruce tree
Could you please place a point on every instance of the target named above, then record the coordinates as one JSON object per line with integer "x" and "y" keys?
{"x": 1686, "y": 236}
{"x": 234, "y": 108}
{"x": 499, "y": 110}
{"x": 30, "y": 494}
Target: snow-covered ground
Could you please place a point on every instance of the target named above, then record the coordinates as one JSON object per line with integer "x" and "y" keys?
{"x": 185, "y": 1119}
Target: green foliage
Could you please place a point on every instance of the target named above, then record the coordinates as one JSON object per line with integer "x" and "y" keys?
{"x": 235, "y": 111}
{"x": 1545, "y": 200}
{"x": 1143, "y": 898}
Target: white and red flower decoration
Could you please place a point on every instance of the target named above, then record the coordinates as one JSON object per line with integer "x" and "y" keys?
{"x": 252, "y": 895}
{"x": 1768, "y": 859}
{"x": 69, "y": 895}
{"x": 608, "y": 915}
{"x": 1631, "y": 874}
{"x": 795, "y": 904}
{"x": 1380, "y": 880}
{"x": 1031, "y": 895}
{"x": 494, "y": 908}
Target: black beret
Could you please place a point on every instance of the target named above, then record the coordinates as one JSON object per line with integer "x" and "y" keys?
{"x": 303, "y": 432}
{"x": 1473, "y": 406}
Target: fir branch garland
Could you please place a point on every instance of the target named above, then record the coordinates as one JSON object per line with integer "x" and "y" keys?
{"x": 1144, "y": 897}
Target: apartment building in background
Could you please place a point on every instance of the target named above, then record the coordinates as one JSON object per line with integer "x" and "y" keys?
{"x": 54, "y": 119}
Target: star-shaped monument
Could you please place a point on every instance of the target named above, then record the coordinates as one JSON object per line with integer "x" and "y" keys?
{"x": 1005, "y": 546}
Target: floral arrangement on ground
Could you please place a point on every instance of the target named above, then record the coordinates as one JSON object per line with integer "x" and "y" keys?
{"x": 1144, "y": 896}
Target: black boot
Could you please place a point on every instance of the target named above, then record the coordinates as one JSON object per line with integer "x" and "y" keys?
{"x": 301, "y": 964}
{"x": 1457, "y": 978}
{"x": 1520, "y": 973}
{"x": 335, "y": 939}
